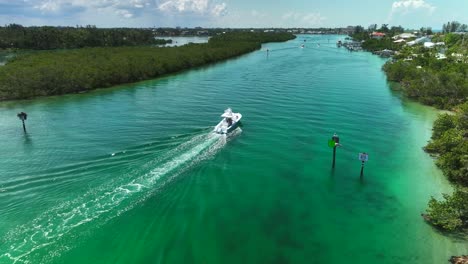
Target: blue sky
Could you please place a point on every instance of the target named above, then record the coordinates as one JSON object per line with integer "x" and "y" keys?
{"x": 234, "y": 13}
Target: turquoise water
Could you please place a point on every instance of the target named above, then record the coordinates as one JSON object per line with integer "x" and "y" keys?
{"x": 133, "y": 174}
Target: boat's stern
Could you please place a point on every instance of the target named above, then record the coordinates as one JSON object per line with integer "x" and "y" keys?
{"x": 221, "y": 130}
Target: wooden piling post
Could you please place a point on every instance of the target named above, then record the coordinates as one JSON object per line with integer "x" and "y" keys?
{"x": 334, "y": 142}
{"x": 334, "y": 155}
{"x": 362, "y": 169}
{"x": 23, "y": 116}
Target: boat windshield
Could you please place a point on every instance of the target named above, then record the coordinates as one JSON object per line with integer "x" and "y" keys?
{"x": 227, "y": 113}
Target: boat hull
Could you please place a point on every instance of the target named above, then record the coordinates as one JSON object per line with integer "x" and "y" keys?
{"x": 222, "y": 127}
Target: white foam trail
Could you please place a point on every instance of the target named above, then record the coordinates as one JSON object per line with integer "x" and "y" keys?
{"x": 104, "y": 203}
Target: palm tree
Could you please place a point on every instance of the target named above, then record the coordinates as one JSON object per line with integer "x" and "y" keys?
{"x": 23, "y": 116}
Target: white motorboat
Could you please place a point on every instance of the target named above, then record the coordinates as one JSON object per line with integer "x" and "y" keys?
{"x": 229, "y": 123}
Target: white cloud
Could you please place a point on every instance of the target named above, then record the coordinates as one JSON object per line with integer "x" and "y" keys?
{"x": 192, "y": 6}
{"x": 60, "y": 5}
{"x": 120, "y": 8}
{"x": 405, "y": 6}
{"x": 48, "y": 6}
{"x": 408, "y": 11}
{"x": 124, "y": 13}
{"x": 139, "y": 3}
{"x": 111, "y": 12}
{"x": 184, "y": 5}
{"x": 303, "y": 19}
{"x": 219, "y": 9}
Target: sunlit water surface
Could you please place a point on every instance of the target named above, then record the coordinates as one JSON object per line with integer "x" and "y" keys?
{"x": 133, "y": 174}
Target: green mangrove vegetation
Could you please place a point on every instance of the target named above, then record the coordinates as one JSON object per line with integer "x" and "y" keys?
{"x": 435, "y": 74}
{"x": 70, "y": 71}
{"x": 15, "y": 36}
{"x": 451, "y": 213}
{"x": 426, "y": 77}
{"x": 450, "y": 142}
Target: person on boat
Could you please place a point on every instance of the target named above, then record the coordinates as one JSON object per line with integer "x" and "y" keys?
{"x": 229, "y": 121}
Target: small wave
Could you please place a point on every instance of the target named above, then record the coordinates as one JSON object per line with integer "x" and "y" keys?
{"x": 86, "y": 170}
{"x": 105, "y": 202}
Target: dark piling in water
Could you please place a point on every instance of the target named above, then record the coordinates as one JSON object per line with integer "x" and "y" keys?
{"x": 23, "y": 116}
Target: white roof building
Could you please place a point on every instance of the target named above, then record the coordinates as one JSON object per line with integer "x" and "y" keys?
{"x": 404, "y": 36}
{"x": 429, "y": 45}
{"x": 418, "y": 41}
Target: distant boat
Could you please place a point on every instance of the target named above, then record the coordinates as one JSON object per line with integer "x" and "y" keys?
{"x": 229, "y": 123}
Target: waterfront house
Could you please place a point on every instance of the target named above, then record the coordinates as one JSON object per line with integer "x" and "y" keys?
{"x": 377, "y": 35}
{"x": 429, "y": 45}
{"x": 432, "y": 44}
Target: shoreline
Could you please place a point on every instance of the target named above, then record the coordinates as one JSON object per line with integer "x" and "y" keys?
{"x": 133, "y": 119}
{"x": 461, "y": 259}
{"x": 74, "y": 71}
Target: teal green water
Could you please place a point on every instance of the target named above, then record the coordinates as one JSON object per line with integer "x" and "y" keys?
{"x": 133, "y": 174}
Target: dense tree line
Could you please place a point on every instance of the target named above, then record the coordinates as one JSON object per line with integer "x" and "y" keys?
{"x": 15, "y": 36}
{"x": 258, "y": 37}
{"x": 370, "y": 44}
{"x": 70, "y": 71}
{"x": 450, "y": 142}
{"x": 454, "y": 27}
{"x": 380, "y": 44}
{"x": 440, "y": 83}
{"x": 443, "y": 83}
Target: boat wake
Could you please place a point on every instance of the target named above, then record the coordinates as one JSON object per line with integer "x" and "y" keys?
{"x": 52, "y": 230}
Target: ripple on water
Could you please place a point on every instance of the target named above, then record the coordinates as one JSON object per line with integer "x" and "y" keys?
{"x": 89, "y": 158}
{"x": 107, "y": 201}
